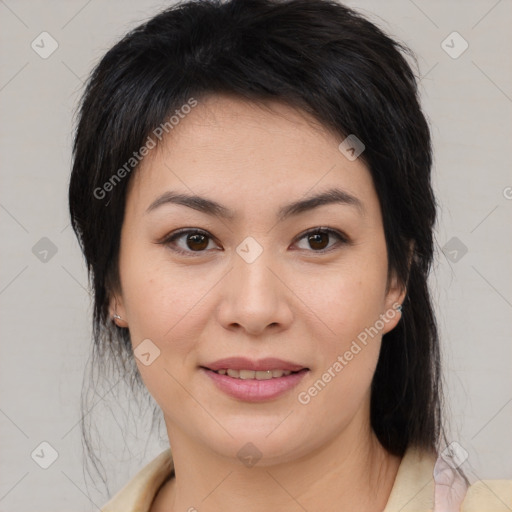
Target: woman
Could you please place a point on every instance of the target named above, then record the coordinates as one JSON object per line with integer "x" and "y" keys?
{"x": 251, "y": 191}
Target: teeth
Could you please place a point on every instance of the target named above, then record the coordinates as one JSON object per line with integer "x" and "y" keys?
{"x": 251, "y": 374}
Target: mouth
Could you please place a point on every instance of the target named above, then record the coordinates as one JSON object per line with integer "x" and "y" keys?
{"x": 254, "y": 374}
{"x": 254, "y": 385}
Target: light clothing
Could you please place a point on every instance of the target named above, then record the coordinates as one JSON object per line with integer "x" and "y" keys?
{"x": 415, "y": 489}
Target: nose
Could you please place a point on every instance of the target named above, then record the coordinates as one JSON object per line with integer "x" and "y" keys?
{"x": 255, "y": 297}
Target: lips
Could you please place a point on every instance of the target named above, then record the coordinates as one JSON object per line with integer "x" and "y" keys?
{"x": 243, "y": 363}
{"x": 254, "y": 390}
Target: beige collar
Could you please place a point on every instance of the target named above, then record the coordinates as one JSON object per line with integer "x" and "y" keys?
{"x": 413, "y": 489}
{"x": 138, "y": 494}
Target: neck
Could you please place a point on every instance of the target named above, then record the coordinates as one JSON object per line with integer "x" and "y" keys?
{"x": 352, "y": 472}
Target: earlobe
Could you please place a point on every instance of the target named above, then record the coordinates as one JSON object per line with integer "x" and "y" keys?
{"x": 394, "y": 308}
{"x": 117, "y": 313}
{"x": 397, "y": 292}
{"x": 396, "y": 297}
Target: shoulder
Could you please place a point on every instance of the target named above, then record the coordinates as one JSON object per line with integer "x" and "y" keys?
{"x": 452, "y": 492}
{"x": 488, "y": 496}
{"x": 138, "y": 494}
{"x": 425, "y": 483}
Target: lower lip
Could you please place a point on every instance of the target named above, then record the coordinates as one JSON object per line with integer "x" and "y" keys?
{"x": 253, "y": 390}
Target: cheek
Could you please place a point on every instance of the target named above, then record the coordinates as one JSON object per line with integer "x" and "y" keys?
{"x": 349, "y": 352}
{"x": 349, "y": 303}
{"x": 162, "y": 302}
{"x": 348, "y": 298}
{"x": 163, "y": 306}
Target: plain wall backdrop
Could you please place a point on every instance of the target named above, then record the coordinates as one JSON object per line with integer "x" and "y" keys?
{"x": 45, "y": 305}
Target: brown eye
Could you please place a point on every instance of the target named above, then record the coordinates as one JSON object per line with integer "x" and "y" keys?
{"x": 192, "y": 241}
{"x": 196, "y": 242}
{"x": 318, "y": 239}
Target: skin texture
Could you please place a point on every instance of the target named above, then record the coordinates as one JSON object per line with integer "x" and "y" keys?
{"x": 293, "y": 302}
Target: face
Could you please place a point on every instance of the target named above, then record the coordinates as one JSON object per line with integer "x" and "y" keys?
{"x": 306, "y": 285}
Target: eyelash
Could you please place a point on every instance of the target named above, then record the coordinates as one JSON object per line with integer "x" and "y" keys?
{"x": 168, "y": 240}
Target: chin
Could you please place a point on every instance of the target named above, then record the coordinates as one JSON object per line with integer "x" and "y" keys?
{"x": 268, "y": 442}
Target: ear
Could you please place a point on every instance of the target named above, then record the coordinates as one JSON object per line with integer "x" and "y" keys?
{"x": 116, "y": 307}
{"x": 395, "y": 296}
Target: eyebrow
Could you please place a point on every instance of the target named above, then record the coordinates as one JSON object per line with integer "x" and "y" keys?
{"x": 210, "y": 207}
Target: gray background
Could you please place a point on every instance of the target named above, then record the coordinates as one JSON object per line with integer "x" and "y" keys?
{"x": 45, "y": 305}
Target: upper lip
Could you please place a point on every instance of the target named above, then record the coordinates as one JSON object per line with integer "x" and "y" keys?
{"x": 242, "y": 363}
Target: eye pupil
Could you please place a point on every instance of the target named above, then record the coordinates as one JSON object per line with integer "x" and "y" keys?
{"x": 315, "y": 238}
{"x": 195, "y": 238}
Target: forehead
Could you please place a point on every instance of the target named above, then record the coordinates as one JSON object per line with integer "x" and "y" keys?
{"x": 243, "y": 152}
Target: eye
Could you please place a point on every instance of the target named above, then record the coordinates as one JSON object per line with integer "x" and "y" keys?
{"x": 195, "y": 240}
{"x": 318, "y": 238}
